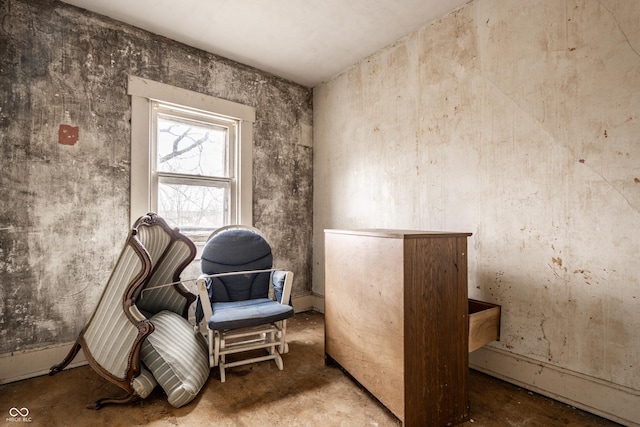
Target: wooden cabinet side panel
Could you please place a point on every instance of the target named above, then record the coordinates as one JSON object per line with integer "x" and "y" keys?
{"x": 364, "y": 313}
{"x": 436, "y": 337}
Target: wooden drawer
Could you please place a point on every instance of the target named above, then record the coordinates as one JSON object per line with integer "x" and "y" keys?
{"x": 484, "y": 323}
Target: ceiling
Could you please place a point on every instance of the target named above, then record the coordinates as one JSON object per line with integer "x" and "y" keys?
{"x": 305, "y": 41}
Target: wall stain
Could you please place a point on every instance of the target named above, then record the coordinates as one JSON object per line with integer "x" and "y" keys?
{"x": 68, "y": 135}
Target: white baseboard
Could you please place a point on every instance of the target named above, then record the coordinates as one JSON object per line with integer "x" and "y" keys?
{"x": 608, "y": 400}
{"x": 308, "y": 302}
{"x": 302, "y": 303}
{"x": 21, "y": 365}
{"x": 318, "y": 303}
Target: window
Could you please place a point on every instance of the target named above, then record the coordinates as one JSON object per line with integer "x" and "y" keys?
{"x": 193, "y": 169}
{"x": 190, "y": 158}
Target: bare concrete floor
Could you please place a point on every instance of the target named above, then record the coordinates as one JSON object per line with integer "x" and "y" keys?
{"x": 306, "y": 393}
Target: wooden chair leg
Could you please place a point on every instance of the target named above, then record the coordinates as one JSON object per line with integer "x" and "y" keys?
{"x": 212, "y": 350}
{"x": 282, "y": 337}
{"x": 70, "y": 356}
{"x": 278, "y": 360}
{"x": 105, "y": 400}
{"x": 216, "y": 350}
{"x": 222, "y": 376}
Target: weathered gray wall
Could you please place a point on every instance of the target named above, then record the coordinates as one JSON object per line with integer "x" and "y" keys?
{"x": 518, "y": 121}
{"x": 65, "y": 208}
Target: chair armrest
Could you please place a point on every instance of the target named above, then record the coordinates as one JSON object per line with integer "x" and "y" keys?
{"x": 286, "y": 287}
{"x": 136, "y": 313}
{"x": 201, "y": 284}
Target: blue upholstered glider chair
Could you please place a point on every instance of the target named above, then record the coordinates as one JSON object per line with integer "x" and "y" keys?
{"x": 243, "y": 300}
{"x": 138, "y": 336}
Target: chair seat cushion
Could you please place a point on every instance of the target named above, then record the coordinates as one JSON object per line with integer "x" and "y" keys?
{"x": 247, "y": 313}
{"x": 177, "y": 356}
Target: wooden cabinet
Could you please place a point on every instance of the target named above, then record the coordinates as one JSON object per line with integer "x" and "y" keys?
{"x": 396, "y": 319}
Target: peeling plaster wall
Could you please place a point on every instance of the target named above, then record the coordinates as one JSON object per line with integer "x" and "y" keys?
{"x": 519, "y": 122}
{"x": 65, "y": 158}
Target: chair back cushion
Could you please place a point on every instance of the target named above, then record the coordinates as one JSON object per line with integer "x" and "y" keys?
{"x": 237, "y": 249}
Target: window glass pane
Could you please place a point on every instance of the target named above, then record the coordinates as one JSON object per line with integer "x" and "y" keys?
{"x": 191, "y": 147}
{"x": 195, "y": 209}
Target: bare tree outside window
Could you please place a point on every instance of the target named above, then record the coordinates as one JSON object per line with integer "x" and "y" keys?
{"x": 194, "y": 180}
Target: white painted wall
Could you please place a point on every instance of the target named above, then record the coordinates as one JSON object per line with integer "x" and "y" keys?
{"x": 518, "y": 121}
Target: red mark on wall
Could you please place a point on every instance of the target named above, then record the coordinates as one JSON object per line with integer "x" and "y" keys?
{"x": 68, "y": 135}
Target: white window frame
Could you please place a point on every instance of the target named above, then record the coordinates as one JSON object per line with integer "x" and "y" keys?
{"x": 143, "y": 94}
